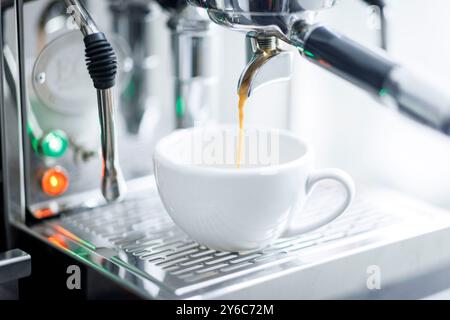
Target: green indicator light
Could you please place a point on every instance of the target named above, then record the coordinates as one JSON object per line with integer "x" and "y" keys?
{"x": 54, "y": 144}
{"x": 383, "y": 92}
{"x": 180, "y": 107}
{"x": 309, "y": 54}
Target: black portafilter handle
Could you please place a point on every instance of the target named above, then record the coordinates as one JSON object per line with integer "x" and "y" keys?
{"x": 101, "y": 61}
{"x": 375, "y": 72}
{"x": 349, "y": 59}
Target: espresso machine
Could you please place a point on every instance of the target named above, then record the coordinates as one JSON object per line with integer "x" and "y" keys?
{"x": 77, "y": 143}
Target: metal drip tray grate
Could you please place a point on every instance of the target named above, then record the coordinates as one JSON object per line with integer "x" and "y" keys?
{"x": 139, "y": 236}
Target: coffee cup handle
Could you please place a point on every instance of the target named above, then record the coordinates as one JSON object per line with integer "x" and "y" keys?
{"x": 314, "y": 178}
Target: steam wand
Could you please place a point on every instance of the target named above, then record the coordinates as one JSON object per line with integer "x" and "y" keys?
{"x": 102, "y": 65}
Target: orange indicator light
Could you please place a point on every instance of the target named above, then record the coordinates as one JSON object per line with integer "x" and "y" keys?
{"x": 55, "y": 182}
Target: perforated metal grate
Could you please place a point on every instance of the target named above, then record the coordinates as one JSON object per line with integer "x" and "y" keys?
{"x": 144, "y": 236}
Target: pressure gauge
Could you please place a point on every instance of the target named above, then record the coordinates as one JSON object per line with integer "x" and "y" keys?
{"x": 60, "y": 79}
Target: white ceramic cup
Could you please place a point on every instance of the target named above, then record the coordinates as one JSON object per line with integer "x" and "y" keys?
{"x": 231, "y": 209}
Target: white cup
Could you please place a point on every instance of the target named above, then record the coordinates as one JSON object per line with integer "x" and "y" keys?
{"x": 231, "y": 209}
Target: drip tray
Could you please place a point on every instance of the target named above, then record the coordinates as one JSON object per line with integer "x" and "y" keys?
{"x": 137, "y": 243}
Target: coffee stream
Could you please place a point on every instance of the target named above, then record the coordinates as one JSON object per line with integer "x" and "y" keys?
{"x": 240, "y": 144}
{"x": 243, "y": 93}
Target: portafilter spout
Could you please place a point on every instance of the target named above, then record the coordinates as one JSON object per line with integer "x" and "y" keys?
{"x": 102, "y": 66}
{"x": 268, "y": 64}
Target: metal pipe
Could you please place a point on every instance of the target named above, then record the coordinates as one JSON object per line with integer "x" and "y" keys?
{"x": 193, "y": 51}
{"x": 112, "y": 182}
{"x": 82, "y": 17}
{"x": 137, "y": 22}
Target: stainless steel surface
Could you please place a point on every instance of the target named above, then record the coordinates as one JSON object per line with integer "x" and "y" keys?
{"x": 268, "y": 64}
{"x": 194, "y": 46}
{"x": 113, "y": 183}
{"x": 14, "y": 265}
{"x": 13, "y": 126}
{"x": 137, "y": 242}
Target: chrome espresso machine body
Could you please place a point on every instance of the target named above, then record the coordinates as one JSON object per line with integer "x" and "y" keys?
{"x": 53, "y": 157}
{"x": 67, "y": 122}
